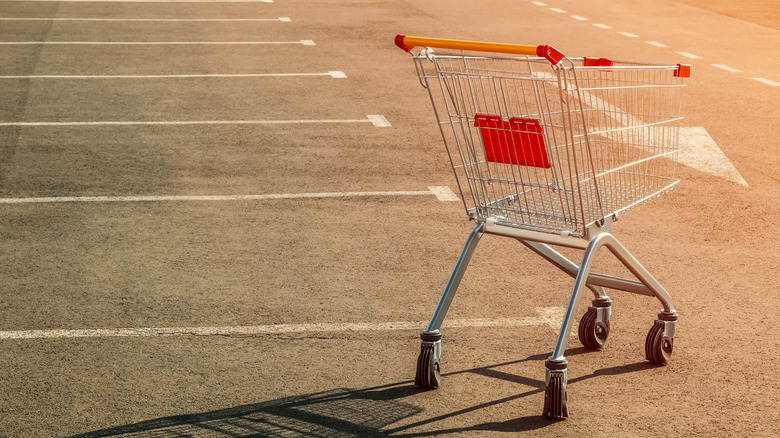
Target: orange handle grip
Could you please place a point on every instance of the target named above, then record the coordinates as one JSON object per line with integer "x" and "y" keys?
{"x": 407, "y": 43}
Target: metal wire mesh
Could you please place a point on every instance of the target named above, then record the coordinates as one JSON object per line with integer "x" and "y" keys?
{"x": 608, "y": 136}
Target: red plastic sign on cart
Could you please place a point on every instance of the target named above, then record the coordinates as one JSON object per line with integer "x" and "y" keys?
{"x": 518, "y": 141}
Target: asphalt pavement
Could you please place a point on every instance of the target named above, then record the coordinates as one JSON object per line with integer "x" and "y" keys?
{"x": 226, "y": 219}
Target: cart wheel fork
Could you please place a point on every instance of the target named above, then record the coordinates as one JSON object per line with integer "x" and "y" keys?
{"x": 660, "y": 340}
{"x": 555, "y": 396}
{"x": 594, "y": 325}
{"x": 428, "y": 374}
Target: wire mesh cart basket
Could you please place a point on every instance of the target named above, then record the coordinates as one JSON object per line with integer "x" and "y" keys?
{"x": 550, "y": 150}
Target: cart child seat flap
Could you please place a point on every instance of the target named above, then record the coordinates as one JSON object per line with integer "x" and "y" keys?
{"x": 518, "y": 141}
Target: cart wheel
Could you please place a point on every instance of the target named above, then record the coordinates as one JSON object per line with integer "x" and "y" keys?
{"x": 555, "y": 405}
{"x": 428, "y": 373}
{"x": 593, "y": 334}
{"x": 658, "y": 348}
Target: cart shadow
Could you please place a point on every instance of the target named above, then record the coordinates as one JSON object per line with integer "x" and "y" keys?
{"x": 338, "y": 412}
{"x": 522, "y": 424}
{"x": 343, "y": 412}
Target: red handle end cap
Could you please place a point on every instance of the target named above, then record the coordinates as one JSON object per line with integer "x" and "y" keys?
{"x": 399, "y": 41}
{"x": 550, "y": 53}
{"x": 683, "y": 71}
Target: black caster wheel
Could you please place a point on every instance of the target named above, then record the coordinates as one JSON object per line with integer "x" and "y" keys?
{"x": 428, "y": 373}
{"x": 555, "y": 399}
{"x": 592, "y": 333}
{"x": 658, "y": 346}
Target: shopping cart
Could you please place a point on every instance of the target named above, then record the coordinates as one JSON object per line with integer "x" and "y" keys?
{"x": 550, "y": 150}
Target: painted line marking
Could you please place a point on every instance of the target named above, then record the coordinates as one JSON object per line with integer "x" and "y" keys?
{"x": 767, "y": 82}
{"x": 558, "y": 10}
{"x": 602, "y": 26}
{"x": 689, "y": 55}
{"x": 333, "y": 74}
{"x": 629, "y": 34}
{"x": 377, "y": 120}
{"x": 699, "y": 150}
{"x": 578, "y": 17}
{"x": 278, "y": 328}
{"x": 656, "y": 44}
{"x": 539, "y": 3}
{"x": 281, "y": 19}
{"x": 151, "y": 43}
{"x": 727, "y": 68}
{"x": 442, "y": 193}
{"x": 552, "y": 316}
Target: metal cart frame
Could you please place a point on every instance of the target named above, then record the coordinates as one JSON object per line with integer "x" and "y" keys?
{"x": 550, "y": 151}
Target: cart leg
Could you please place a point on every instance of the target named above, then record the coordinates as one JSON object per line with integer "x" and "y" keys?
{"x": 555, "y": 395}
{"x": 428, "y": 370}
{"x": 594, "y": 325}
{"x": 668, "y": 316}
{"x": 660, "y": 339}
{"x": 639, "y": 271}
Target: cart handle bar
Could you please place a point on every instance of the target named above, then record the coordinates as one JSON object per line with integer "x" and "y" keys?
{"x": 408, "y": 43}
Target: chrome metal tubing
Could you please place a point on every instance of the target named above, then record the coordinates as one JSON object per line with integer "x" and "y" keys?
{"x": 639, "y": 271}
{"x": 631, "y": 263}
{"x": 454, "y": 281}
{"x": 594, "y": 281}
{"x": 494, "y": 226}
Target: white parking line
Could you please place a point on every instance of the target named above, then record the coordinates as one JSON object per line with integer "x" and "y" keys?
{"x": 656, "y": 44}
{"x": 377, "y": 120}
{"x": 333, "y": 74}
{"x": 268, "y": 329}
{"x": 767, "y": 82}
{"x": 442, "y": 193}
{"x": 552, "y": 316}
{"x": 689, "y": 55}
{"x": 151, "y": 43}
{"x": 282, "y": 19}
{"x": 662, "y": 45}
{"x": 727, "y": 68}
{"x": 276, "y": 329}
